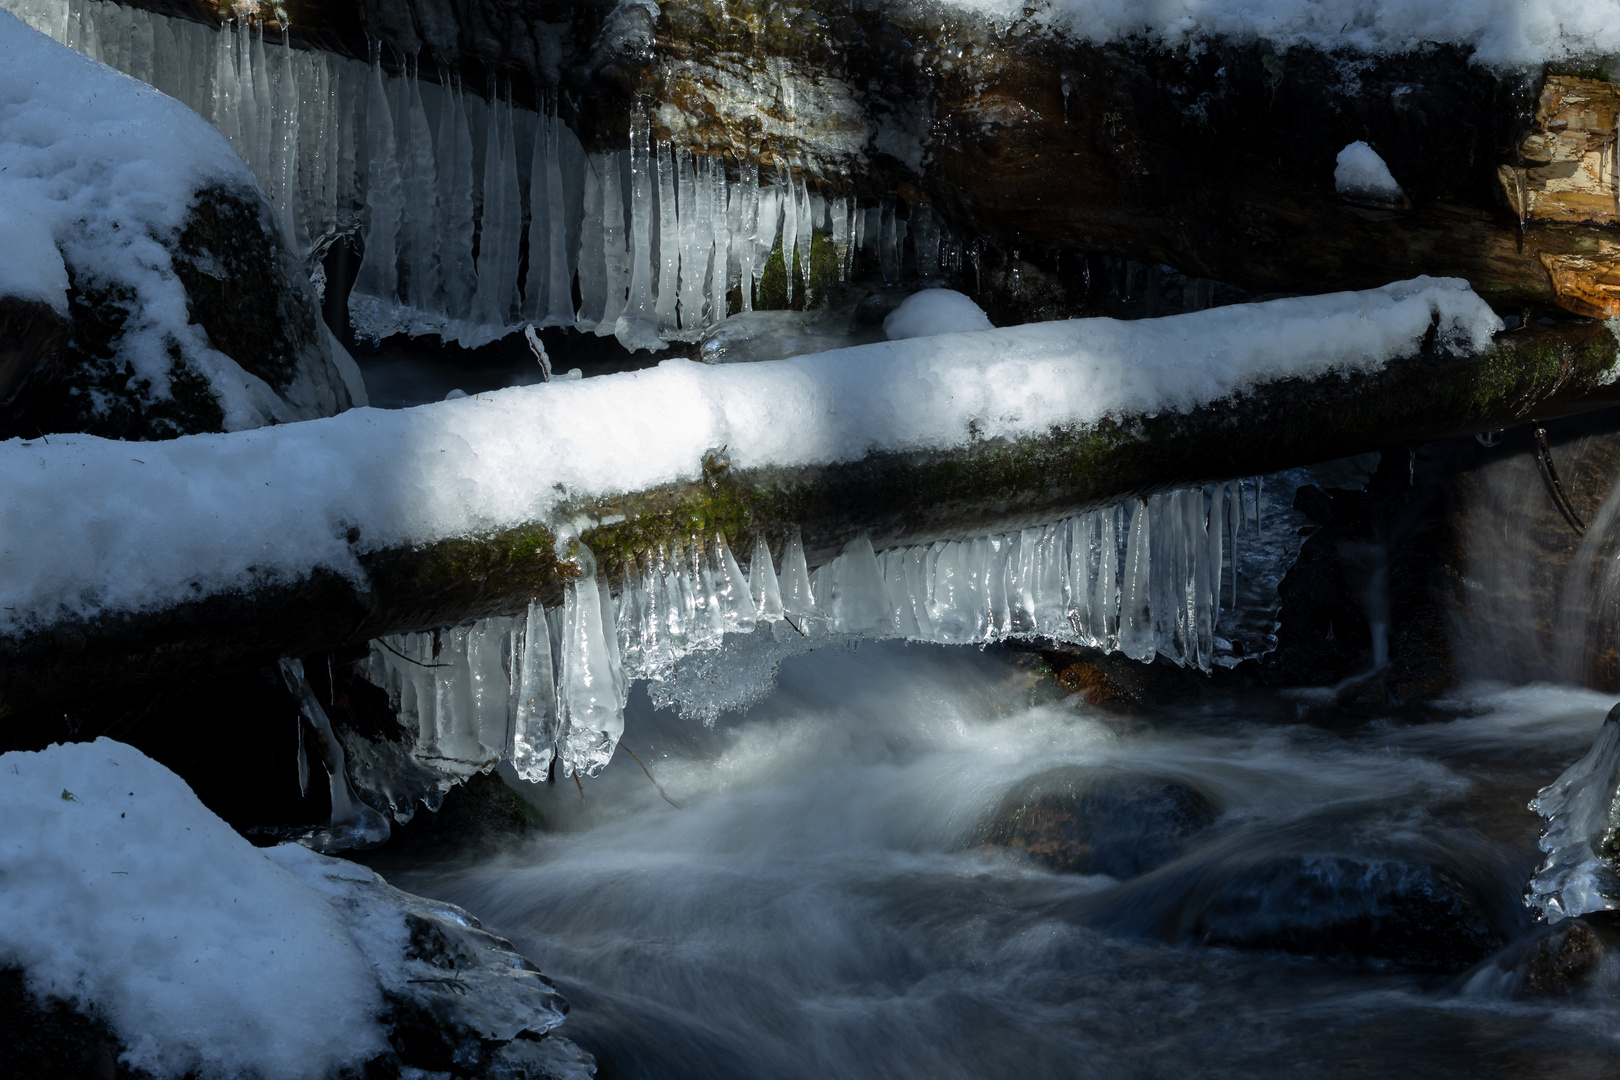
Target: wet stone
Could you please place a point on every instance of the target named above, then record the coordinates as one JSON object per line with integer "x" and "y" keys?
{"x": 1410, "y": 914}
{"x": 1077, "y": 822}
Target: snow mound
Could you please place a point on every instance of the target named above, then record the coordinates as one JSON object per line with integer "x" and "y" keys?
{"x": 1502, "y": 33}
{"x": 934, "y": 311}
{"x": 99, "y": 526}
{"x": 123, "y": 892}
{"x": 1362, "y": 176}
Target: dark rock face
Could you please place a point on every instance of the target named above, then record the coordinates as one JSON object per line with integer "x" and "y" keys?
{"x": 51, "y": 1040}
{"x": 1078, "y": 822}
{"x": 32, "y": 335}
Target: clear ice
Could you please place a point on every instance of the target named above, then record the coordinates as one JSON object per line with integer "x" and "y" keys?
{"x": 547, "y": 689}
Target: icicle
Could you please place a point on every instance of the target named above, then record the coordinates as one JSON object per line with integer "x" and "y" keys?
{"x": 615, "y": 271}
{"x": 419, "y": 234}
{"x": 719, "y": 306}
{"x": 790, "y": 224}
{"x": 888, "y": 242}
{"x": 374, "y": 300}
{"x": 637, "y": 327}
{"x": 454, "y": 171}
{"x": 736, "y": 600}
{"x": 806, "y": 236}
{"x": 669, "y": 245}
{"x": 499, "y": 232}
{"x": 353, "y": 823}
{"x": 591, "y": 710}
{"x": 859, "y": 603}
{"x": 798, "y": 599}
{"x": 841, "y": 238}
{"x": 762, "y": 584}
{"x": 925, "y": 241}
{"x": 1136, "y": 636}
{"x": 692, "y": 276}
{"x": 534, "y": 729}
{"x": 768, "y": 227}
{"x": 749, "y": 240}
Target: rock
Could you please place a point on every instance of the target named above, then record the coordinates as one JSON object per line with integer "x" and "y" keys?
{"x": 1563, "y": 959}
{"x": 252, "y": 299}
{"x": 1404, "y": 912}
{"x": 32, "y": 334}
{"x": 49, "y": 1039}
{"x": 1082, "y": 822}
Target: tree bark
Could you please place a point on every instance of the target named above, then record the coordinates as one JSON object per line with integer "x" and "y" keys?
{"x": 897, "y": 498}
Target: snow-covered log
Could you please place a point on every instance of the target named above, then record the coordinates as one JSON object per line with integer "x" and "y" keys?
{"x": 126, "y": 562}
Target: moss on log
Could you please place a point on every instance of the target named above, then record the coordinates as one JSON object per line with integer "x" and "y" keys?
{"x": 897, "y": 497}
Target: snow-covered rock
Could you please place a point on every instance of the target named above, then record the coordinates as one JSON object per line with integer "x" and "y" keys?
{"x": 130, "y": 215}
{"x": 123, "y": 895}
{"x": 1360, "y": 176}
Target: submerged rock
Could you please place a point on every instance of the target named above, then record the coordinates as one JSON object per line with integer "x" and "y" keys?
{"x": 1569, "y": 958}
{"x": 1405, "y": 912}
{"x": 1076, "y": 821}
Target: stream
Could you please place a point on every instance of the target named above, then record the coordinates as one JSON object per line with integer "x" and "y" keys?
{"x": 1290, "y": 893}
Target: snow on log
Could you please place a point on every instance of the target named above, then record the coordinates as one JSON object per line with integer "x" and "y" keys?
{"x": 127, "y": 561}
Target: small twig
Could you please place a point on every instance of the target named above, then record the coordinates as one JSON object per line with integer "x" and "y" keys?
{"x": 644, "y": 769}
{"x": 580, "y": 786}
{"x": 793, "y": 624}
{"x": 1550, "y": 472}
{"x": 409, "y": 659}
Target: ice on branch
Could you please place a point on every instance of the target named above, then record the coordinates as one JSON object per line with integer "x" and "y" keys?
{"x": 1144, "y": 579}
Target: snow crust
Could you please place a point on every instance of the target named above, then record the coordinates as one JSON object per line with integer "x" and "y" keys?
{"x": 94, "y": 525}
{"x": 99, "y": 168}
{"x": 934, "y": 311}
{"x": 1502, "y": 33}
{"x": 118, "y": 889}
{"x": 1361, "y": 173}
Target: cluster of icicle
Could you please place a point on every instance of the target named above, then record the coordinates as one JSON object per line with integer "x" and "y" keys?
{"x": 1145, "y": 580}
{"x": 657, "y": 237}
{"x": 1581, "y": 840}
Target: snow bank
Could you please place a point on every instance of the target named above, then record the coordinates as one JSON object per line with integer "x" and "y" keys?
{"x": 119, "y": 889}
{"x": 99, "y": 168}
{"x": 93, "y": 525}
{"x": 1503, "y": 33}
{"x": 934, "y": 311}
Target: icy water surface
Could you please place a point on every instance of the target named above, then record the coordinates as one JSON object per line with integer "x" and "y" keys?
{"x": 824, "y": 904}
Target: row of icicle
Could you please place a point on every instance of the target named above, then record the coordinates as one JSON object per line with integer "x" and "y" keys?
{"x": 657, "y": 238}
{"x": 547, "y": 689}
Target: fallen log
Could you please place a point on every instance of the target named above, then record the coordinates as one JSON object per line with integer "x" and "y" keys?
{"x": 344, "y": 555}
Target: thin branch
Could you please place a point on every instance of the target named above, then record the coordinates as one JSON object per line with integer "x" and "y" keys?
{"x": 579, "y": 785}
{"x": 644, "y": 769}
{"x": 793, "y": 624}
{"x": 408, "y": 659}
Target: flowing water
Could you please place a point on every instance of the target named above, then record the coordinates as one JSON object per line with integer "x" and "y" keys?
{"x": 1283, "y": 897}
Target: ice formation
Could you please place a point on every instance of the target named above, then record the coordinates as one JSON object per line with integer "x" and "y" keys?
{"x": 93, "y": 528}
{"x": 1360, "y": 175}
{"x": 658, "y": 236}
{"x": 1582, "y": 835}
{"x": 1145, "y": 579}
